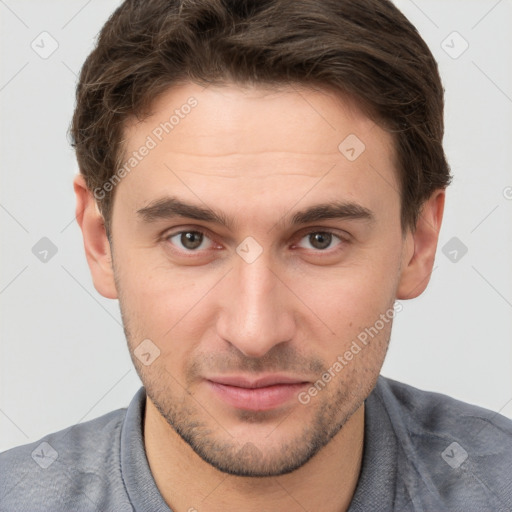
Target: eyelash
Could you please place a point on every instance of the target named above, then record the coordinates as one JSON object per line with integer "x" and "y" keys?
{"x": 342, "y": 240}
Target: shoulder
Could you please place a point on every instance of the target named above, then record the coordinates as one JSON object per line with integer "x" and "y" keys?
{"x": 437, "y": 412}
{"x": 77, "y": 468}
{"x": 459, "y": 452}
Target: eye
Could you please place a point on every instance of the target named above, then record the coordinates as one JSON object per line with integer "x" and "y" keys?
{"x": 319, "y": 240}
{"x": 190, "y": 240}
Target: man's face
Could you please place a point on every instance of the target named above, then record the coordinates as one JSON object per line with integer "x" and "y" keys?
{"x": 303, "y": 254}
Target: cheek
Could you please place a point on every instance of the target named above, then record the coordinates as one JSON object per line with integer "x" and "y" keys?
{"x": 163, "y": 303}
{"x": 349, "y": 299}
{"x": 150, "y": 285}
{"x": 360, "y": 314}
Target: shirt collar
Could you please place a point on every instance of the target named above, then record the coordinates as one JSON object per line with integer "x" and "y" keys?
{"x": 376, "y": 486}
{"x": 139, "y": 482}
{"x": 374, "y": 490}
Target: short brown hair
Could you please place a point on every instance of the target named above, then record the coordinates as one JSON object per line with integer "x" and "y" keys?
{"x": 365, "y": 49}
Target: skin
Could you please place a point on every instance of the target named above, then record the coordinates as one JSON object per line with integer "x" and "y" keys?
{"x": 257, "y": 156}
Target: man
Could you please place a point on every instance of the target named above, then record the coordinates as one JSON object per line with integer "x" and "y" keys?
{"x": 260, "y": 182}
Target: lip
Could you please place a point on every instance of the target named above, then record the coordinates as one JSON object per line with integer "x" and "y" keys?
{"x": 263, "y": 393}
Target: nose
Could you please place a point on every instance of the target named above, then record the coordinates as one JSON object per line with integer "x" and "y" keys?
{"x": 257, "y": 308}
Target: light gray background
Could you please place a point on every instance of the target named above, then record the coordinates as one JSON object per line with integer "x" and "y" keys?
{"x": 63, "y": 357}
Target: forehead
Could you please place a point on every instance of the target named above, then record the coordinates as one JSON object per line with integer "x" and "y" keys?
{"x": 209, "y": 142}
{"x": 254, "y": 118}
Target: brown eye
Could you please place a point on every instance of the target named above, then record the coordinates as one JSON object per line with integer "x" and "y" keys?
{"x": 189, "y": 240}
{"x": 319, "y": 240}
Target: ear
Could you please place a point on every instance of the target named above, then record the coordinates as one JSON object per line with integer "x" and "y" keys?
{"x": 96, "y": 244}
{"x": 420, "y": 248}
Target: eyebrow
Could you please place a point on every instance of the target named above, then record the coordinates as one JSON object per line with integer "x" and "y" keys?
{"x": 170, "y": 207}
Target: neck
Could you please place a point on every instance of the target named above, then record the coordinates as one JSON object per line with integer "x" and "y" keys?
{"x": 326, "y": 482}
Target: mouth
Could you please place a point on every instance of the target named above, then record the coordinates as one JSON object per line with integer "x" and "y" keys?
{"x": 261, "y": 394}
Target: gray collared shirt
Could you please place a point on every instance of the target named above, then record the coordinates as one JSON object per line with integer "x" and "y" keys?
{"x": 423, "y": 452}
